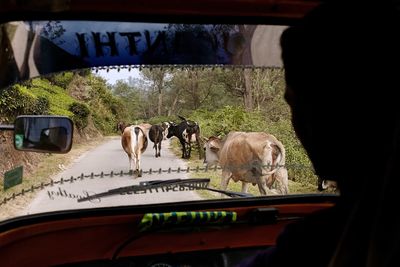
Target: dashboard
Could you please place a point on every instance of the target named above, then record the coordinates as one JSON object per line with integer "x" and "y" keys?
{"x": 226, "y": 258}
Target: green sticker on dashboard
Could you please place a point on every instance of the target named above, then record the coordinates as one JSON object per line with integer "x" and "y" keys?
{"x": 189, "y": 218}
{"x": 13, "y": 177}
{"x": 19, "y": 140}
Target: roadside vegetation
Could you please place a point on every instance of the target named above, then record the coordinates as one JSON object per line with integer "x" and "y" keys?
{"x": 82, "y": 96}
{"x": 219, "y": 99}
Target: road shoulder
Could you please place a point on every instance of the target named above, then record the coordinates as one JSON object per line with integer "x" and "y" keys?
{"x": 47, "y": 168}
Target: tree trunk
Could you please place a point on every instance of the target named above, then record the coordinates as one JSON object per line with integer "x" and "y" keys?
{"x": 160, "y": 101}
{"x": 160, "y": 83}
{"x": 247, "y": 92}
{"x": 194, "y": 88}
{"x": 173, "y": 106}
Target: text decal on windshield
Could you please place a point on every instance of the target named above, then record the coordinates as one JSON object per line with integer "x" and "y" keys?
{"x": 191, "y": 218}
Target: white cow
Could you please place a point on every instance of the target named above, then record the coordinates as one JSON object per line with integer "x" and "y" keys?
{"x": 253, "y": 157}
{"x": 134, "y": 141}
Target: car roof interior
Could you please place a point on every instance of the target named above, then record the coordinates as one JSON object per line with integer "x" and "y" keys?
{"x": 269, "y": 12}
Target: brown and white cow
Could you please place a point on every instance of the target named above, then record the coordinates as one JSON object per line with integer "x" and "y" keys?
{"x": 249, "y": 157}
{"x": 134, "y": 141}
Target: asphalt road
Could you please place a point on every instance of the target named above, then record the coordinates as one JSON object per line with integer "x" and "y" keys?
{"x": 106, "y": 158}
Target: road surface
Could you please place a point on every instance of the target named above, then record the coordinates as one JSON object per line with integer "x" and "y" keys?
{"x": 106, "y": 158}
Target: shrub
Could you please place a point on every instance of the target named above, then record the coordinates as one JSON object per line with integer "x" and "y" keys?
{"x": 226, "y": 119}
{"x": 59, "y": 100}
{"x": 18, "y": 100}
{"x": 41, "y": 106}
{"x": 81, "y": 113}
{"x": 159, "y": 119}
{"x": 62, "y": 79}
{"x": 220, "y": 122}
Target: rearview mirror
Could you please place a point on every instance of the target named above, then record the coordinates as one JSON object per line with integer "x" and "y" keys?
{"x": 43, "y": 134}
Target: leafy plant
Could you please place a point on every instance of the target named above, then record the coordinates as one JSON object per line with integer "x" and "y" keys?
{"x": 18, "y": 100}
{"x": 220, "y": 122}
{"x": 81, "y": 113}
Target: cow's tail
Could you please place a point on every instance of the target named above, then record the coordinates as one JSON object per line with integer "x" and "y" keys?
{"x": 135, "y": 139}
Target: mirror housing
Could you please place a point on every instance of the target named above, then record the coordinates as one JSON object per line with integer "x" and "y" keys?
{"x": 51, "y": 134}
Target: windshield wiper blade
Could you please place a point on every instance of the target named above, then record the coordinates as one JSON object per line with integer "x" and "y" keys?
{"x": 226, "y": 192}
{"x": 194, "y": 183}
{"x": 149, "y": 185}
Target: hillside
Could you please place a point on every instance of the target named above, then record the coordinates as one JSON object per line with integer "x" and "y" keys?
{"x": 84, "y": 98}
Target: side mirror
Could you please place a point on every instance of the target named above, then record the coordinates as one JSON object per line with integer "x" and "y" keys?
{"x": 43, "y": 134}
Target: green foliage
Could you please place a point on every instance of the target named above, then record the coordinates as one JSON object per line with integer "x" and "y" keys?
{"x": 299, "y": 166}
{"x": 42, "y": 106}
{"x": 228, "y": 118}
{"x": 107, "y": 125}
{"x": 62, "y": 79}
{"x": 59, "y": 100}
{"x": 159, "y": 119}
{"x": 18, "y": 100}
{"x": 107, "y": 109}
{"x": 81, "y": 113}
{"x": 103, "y": 119}
{"x": 129, "y": 99}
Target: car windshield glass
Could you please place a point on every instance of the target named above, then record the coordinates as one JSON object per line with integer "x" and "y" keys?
{"x": 149, "y": 103}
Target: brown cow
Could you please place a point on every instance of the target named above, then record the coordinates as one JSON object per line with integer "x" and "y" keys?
{"x": 121, "y": 126}
{"x": 253, "y": 157}
{"x": 134, "y": 141}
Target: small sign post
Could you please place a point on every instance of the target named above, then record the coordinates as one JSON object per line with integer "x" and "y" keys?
{"x": 13, "y": 177}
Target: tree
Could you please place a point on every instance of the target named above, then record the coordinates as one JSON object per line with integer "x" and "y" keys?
{"x": 156, "y": 77}
{"x": 129, "y": 95}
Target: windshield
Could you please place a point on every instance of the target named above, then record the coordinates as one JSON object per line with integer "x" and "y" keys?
{"x": 149, "y": 103}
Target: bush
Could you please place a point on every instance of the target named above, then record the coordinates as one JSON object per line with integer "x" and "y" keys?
{"x": 41, "y": 106}
{"x": 299, "y": 165}
{"x": 226, "y": 119}
{"x": 81, "y": 113}
{"x": 62, "y": 79}
{"x": 59, "y": 100}
{"x": 220, "y": 122}
{"x": 18, "y": 100}
{"x": 159, "y": 119}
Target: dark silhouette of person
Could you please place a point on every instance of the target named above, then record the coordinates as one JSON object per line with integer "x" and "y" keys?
{"x": 53, "y": 139}
{"x": 342, "y": 75}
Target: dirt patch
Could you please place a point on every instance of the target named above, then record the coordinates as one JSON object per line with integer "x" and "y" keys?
{"x": 12, "y": 158}
{"x": 48, "y": 166}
